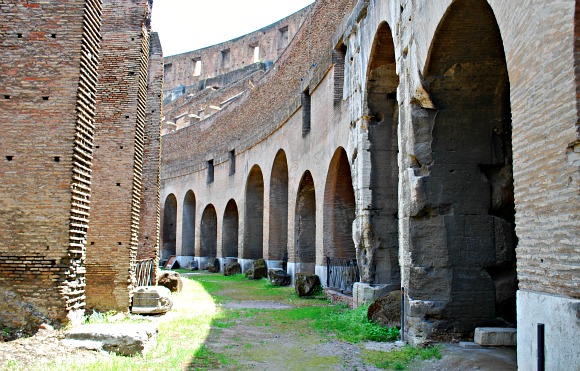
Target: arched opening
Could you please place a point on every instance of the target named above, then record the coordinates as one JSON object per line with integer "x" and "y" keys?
{"x": 209, "y": 233}
{"x": 169, "y": 227}
{"x": 339, "y": 208}
{"x": 469, "y": 187}
{"x": 383, "y": 108}
{"x": 188, "y": 225}
{"x": 230, "y": 231}
{"x": 339, "y": 213}
{"x": 278, "y": 237}
{"x": 305, "y": 224}
{"x": 254, "y": 215}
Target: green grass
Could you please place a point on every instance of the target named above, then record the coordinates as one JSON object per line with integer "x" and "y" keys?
{"x": 189, "y": 336}
{"x": 400, "y": 359}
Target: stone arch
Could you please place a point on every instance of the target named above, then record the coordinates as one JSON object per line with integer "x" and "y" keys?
{"x": 381, "y": 265}
{"x": 278, "y": 236}
{"x": 254, "y": 215}
{"x": 230, "y": 230}
{"x": 339, "y": 208}
{"x": 468, "y": 186}
{"x": 305, "y": 225}
{"x": 208, "y": 233}
{"x": 169, "y": 227}
{"x": 188, "y": 225}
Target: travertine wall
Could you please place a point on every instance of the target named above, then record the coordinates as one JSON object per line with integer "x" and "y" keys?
{"x": 442, "y": 104}
{"x": 47, "y": 107}
{"x": 238, "y": 53}
{"x": 120, "y": 121}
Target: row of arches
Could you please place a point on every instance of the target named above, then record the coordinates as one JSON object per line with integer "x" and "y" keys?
{"x": 338, "y": 216}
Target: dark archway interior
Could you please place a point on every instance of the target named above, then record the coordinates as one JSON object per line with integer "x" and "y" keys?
{"x": 383, "y": 109}
{"x": 230, "y": 231}
{"x": 188, "y": 225}
{"x": 278, "y": 238}
{"x": 209, "y": 232}
{"x": 305, "y": 221}
{"x": 169, "y": 227}
{"x": 254, "y": 211}
{"x": 339, "y": 209}
{"x": 471, "y": 184}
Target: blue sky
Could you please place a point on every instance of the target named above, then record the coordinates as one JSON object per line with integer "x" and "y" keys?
{"x": 185, "y": 25}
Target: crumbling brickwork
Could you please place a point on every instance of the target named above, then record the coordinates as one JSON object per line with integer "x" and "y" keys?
{"x": 112, "y": 242}
{"x": 149, "y": 209}
{"x": 47, "y": 107}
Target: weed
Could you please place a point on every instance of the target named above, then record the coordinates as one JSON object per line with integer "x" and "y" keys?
{"x": 400, "y": 359}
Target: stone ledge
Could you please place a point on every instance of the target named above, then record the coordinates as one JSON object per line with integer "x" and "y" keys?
{"x": 495, "y": 336}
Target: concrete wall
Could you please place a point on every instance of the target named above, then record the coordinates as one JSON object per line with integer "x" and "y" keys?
{"x": 463, "y": 151}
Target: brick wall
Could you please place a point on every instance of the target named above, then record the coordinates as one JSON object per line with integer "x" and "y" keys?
{"x": 149, "y": 209}
{"x": 112, "y": 242}
{"x": 49, "y": 60}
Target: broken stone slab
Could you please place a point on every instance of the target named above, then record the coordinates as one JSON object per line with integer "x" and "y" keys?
{"x": 171, "y": 280}
{"x": 306, "y": 284}
{"x": 278, "y": 277}
{"x": 127, "y": 339}
{"x": 495, "y": 336}
{"x": 151, "y": 300}
{"x": 232, "y": 268}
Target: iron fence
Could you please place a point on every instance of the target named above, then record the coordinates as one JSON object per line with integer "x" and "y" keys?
{"x": 144, "y": 272}
{"x": 341, "y": 274}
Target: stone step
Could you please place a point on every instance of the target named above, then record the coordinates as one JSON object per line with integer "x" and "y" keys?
{"x": 495, "y": 336}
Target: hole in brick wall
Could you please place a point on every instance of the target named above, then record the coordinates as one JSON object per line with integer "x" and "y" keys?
{"x": 118, "y": 184}
{"x": 56, "y": 158}
{"x": 9, "y": 158}
{"x": 19, "y": 35}
{"x": 146, "y": 189}
{"x": 120, "y": 243}
{"x": 131, "y": 73}
{"x": 132, "y": 39}
{"x": 6, "y": 96}
{"x": 92, "y": 242}
{"x": 48, "y": 247}
{"x": 53, "y": 35}
{"x": 402, "y": 9}
{"x": 146, "y": 237}
{"x": 120, "y": 147}
{"x": 96, "y": 146}
{"x": 44, "y": 98}
{"x": 127, "y": 117}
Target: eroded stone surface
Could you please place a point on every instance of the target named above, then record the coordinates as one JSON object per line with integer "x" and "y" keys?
{"x": 278, "y": 277}
{"x": 171, "y": 280}
{"x": 151, "y": 300}
{"x": 306, "y": 284}
{"x": 127, "y": 339}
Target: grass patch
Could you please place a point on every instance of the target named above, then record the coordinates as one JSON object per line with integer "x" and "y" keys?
{"x": 400, "y": 359}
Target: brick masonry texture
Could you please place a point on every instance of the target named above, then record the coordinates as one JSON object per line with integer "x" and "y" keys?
{"x": 112, "y": 242}
{"x": 50, "y": 53}
{"x": 481, "y": 179}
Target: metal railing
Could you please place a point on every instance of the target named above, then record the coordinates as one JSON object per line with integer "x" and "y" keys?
{"x": 144, "y": 272}
{"x": 341, "y": 274}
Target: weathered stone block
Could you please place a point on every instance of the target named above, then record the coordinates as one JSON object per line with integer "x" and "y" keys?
{"x": 495, "y": 336}
{"x": 127, "y": 339}
{"x": 306, "y": 284}
{"x": 278, "y": 277}
{"x": 386, "y": 310}
{"x": 171, "y": 280}
{"x": 151, "y": 300}
{"x": 232, "y": 268}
